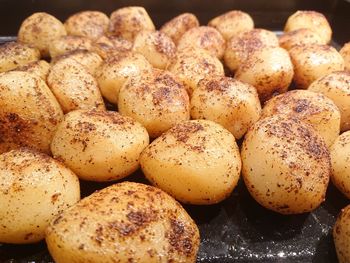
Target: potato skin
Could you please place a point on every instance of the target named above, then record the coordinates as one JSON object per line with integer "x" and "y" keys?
{"x": 313, "y": 108}
{"x": 345, "y": 53}
{"x": 64, "y": 44}
{"x": 126, "y": 222}
{"x": 197, "y": 162}
{"x": 341, "y": 235}
{"x": 39, "y": 30}
{"x": 107, "y": 46}
{"x": 99, "y": 145}
{"x": 34, "y": 189}
{"x": 294, "y": 160}
{"x": 229, "y": 102}
{"x": 29, "y": 112}
{"x": 302, "y": 36}
{"x": 39, "y": 68}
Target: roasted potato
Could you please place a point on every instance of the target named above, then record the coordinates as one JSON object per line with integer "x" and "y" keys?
{"x": 286, "y": 165}
{"x": 99, "y": 145}
{"x": 229, "y": 102}
{"x": 157, "y": 99}
{"x": 66, "y": 44}
{"x": 341, "y": 235}
{"x": 39, "y": 68}
{"x": 177, "y": 26}
{"x": 126, "y": 222}
{"x": 107, "y": 46}
{"x": 345, "y": 53}
{"x": 314, "y": 61}
{"x": 39, "y": 30}
{"x": 314, "y": 108}
{"x": 197, "y": 162}
{"x": 34, "y": 189}
{"x": 302, "y": 36}
{"x": 29, "y": 112}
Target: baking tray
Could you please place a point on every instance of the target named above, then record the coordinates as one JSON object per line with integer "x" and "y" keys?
{"x": 238, "y": 229}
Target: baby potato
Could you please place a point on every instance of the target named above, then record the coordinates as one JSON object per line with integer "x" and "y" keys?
{"x": 89, "y": 24}
{"x": 240, "y": 47}
{"x": 126, "y": 222}
{"x": 313, "y": 108}
{"x": 29, "y": 112}
{"x": 197, "y": 162}
{"x": 157, "y": 99}
{"x": 269, "y": 70}
{"x": 345, "y": 53}
{"x": 232, "y": 23}
{"x": 193, "y": 64}
{"x": 229, "y": 102}
{"x": 341, "y": 235}
{"x": 39, "y": 68}
{"x": 286, "y": 165}
{"x": 39, "y": 30}
{"x": 79, "y": 143}
{"x": 336, "y": 86}
{"x": 34, "y": 189}
{"x": 203, "y": 37}
{"x": 302, "y": 36}
{"x": 314, "y": 61}
{"x": 311, "y": 20}
{"x": 65, "y": 44}
{"x": 156, "y": 47}
{"x": 127, "y": 22}
{"x": 177, "y": 26}
{"x": 73, "y": 86}
{"x": 107, "y": 46}
{"x": 115, "y": 71}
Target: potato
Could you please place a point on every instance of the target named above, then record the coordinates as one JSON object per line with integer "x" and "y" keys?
{"x": 74, "y": 87}
{"x": 197, "y": 162}
{"x": 341, "y": 235}
{"x": 115, "y": 71}
{"x": 336, "y": 86}
{"x": 65, "y": 44}
{"x": 99, "y": 145}
{"x": 313, "y": 108}
{"x": 127, "y": 22}
{"x": 242, "y": 46}
{"x": 192, "y": 64}
{"x": 345, "y": 53}
{"x": 203, "y": 37}
{"x": 39, "y": 30}
{"x": 269, "y": 70}
{"x": 177, "y": 26}
{"x": 13, "y": 54}
{"x": 232, "y": 23}
{"x": 314, "y": 61}
{"x": 311, "y": 20}
{"x": 108, "y": 46}
{"x": 302, "y": 36}
{"x": 90, "y": 24}
{"x": 125, "y": 222}
{"x": 34, "y": 189}
{"x": 39, "y": 68}
{"x": 229, "y": 102}
{"x": 156, "y": 99}
{"x": 286, "y": 165}
{"x": 156, "y": 47}
{"x": 29, "y": 112}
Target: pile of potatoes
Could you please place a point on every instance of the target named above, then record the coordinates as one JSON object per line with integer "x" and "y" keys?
{"x": 284, "y": 99}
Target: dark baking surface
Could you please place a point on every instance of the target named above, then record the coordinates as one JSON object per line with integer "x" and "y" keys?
{"x": 238, "y": 229}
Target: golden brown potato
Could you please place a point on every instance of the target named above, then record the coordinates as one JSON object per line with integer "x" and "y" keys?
{"x": 127, "y": 22}
{"x": 336, "y": 86}
{"x": 203, "y": 37}
{"x": 302, "y": 36}
{"x": 99, "y": 145}
{"x": 196, "y": 162}
{"x": 345, "y": 53}
{"x": 156, "y": 47}
{"x": 66, "y": 44}
{"x": 232, "y": 23}
{"x": 29, "y": 112}
{"x": 314, "y": 61}
{"x": 242, "y": 46}
{"x": 107, "y": 46}
{"x": 39, "y": 30}
{"x": 177, "y": 26}
{"x": 126, "y": 222}
{"x": 73, "y": 86}
{"x": 311, "y": 20}
{"x": 34, "y": 189}
{"x": 286, "y": 165}
{"x": 229, "y": 102}
{"x": 157, "y": 99}
{"x": 39, "y": 68}
{"x": 90, "y": 24}
{"x": 341, "y": 235}
{"x": 13, "y": 55}
{"x": 313, "y": 108}
{"x": 269, "y": 70}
